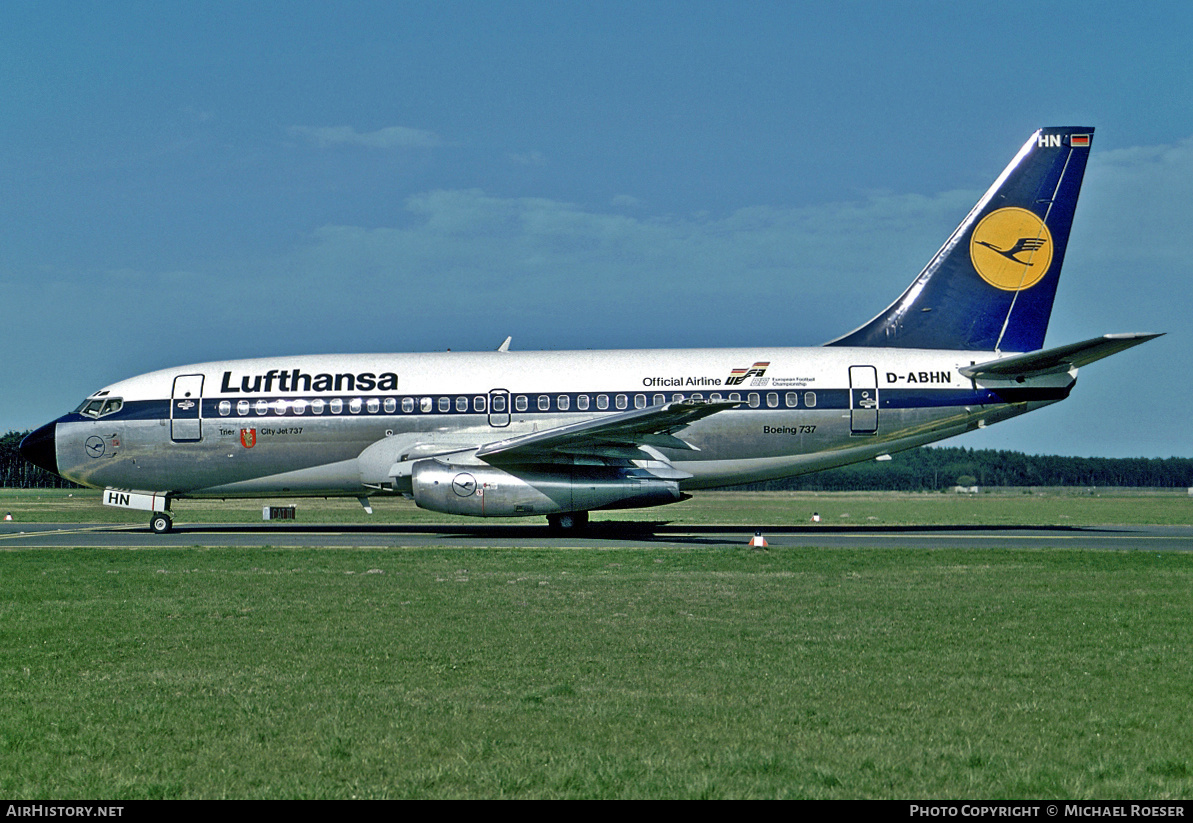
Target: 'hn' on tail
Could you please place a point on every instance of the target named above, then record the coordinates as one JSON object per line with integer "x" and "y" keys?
{"x": 991, "y": 286}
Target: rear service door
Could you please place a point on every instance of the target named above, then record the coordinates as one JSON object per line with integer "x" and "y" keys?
{"x": 863, "y": 400}
{"x": 186, "y": 409}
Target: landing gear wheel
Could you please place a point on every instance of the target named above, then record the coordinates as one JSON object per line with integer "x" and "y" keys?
{"x": 567, "y": 521}
{"x": 160, "y": 523}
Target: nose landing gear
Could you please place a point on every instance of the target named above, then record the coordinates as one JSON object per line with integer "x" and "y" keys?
{"x": 160, "y": 523}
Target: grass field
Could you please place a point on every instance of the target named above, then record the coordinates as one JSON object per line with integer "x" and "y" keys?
{"x": 632, "y": 672}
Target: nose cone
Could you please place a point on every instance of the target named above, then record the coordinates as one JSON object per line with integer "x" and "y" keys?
{"x": 39, "y": 449}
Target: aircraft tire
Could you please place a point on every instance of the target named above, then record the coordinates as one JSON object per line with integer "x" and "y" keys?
{"x": 568, "y": 521}
{"x": 160, "y": 523}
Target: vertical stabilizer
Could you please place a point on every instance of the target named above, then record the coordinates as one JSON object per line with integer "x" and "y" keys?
{"x": 991, "y": 286}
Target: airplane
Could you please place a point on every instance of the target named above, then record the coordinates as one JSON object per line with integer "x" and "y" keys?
{"x": 564, "y": 433}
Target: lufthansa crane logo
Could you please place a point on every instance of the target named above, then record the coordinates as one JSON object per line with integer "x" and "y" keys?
{"x": 95, "y": 446}
{"x": 1011, "y": 249}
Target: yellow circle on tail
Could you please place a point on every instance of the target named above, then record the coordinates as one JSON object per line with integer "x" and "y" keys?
{"x": 1011, "y": 249}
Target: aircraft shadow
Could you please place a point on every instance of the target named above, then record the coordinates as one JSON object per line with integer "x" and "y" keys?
{"x": 626, "y": 530}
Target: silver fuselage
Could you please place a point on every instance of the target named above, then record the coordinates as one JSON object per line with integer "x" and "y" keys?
{"x": 332, "y": 425}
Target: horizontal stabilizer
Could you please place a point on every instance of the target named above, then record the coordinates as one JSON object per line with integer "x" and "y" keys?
{"x": 1062, "y": 358}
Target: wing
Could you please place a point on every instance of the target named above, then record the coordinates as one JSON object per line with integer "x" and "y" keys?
{"x": 615, "y": 436}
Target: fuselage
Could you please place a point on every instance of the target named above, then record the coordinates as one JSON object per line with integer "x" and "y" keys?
{"x": 304, "y": 425}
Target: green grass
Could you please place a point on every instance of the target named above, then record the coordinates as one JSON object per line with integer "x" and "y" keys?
{"x": 627, "y": 673}
{"x": 1019, "y": 507}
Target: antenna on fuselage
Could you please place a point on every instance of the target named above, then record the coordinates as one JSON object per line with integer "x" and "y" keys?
{"x": 505, "y": 345}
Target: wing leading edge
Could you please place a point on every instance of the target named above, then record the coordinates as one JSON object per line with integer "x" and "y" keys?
{"x": 616, "y": 436}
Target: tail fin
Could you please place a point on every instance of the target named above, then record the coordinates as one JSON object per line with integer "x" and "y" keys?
{"x": 991, "y": 286}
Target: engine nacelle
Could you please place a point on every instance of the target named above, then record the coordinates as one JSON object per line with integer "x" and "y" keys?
{"x": 485, "y": 491}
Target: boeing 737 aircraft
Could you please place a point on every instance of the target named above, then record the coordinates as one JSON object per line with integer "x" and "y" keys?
{"x": 510, "y": 434}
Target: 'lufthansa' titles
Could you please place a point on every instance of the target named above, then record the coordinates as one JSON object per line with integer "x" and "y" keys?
{"x": 295, "y": 380}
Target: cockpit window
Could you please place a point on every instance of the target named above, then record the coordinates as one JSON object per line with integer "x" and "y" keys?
{"x": 96, "y": 407}
{"x": 90, "y": 408}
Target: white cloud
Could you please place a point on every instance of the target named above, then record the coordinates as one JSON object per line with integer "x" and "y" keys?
{"x": 530, "y": 158}
{"x": 805, "y": 274}
{"x": 393, "y": 137}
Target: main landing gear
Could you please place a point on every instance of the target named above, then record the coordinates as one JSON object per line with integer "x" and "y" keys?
{"x": 567, "y": 521}
{"x": 161, "y": 523}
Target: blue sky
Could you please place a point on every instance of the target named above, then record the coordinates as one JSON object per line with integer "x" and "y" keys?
{"x": 195, "y": 181}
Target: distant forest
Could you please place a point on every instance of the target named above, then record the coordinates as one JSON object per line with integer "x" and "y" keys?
{"x": 925, "y": 469}
{"x": 935, "y": 468}
{"x": 18, "y": 473}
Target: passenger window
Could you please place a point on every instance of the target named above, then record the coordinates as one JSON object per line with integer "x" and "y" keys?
{"x": 373, "y": 405}
{"x": 279, "y": 406}
{"x": 300, "y": 406}
{"x": 563, "y": 402}
{"x": 337, "y": 406}
{"x": 582, "y": 402}
{"x": 602, "y": 401}
{"x": 772, "y": 400}
{"x": 621, "y": 401}
{"x": 407, "y": 404}
{"x": 445, "y": 404}
{"x": 810, "y": 399}
{"x": 225, "y": 408}
{"x": 478, "y": 403}
{"x": 391, "y": 405}
{"x": 461, "y": 404}
{"x": 425, "y": 404}
{"x": 261, "y": 407}
{"x": 659, "y": 399}
{"x": 697, "y": 396}
{"x": 544, "y": 403}
{"x": 499, "y": 404}
{"x": 675, "y": 398}
{"x": 242, "y": 407}
{"x": 754, "y": 400}
{"x": 354, "y": 405}
{"x": 639, "y": 401}
{"x": 520, "y": 403}
{"x": 792, "y": 399}
{"x": 735, "y": 397}
{"x": 317, "y": 406}
{"x": 715, "y": 397}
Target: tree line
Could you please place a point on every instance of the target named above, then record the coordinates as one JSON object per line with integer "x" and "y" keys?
{"x": 931, "y": 468}
{"x": 18, "y": 473}
{"x": 938, "y": 468}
